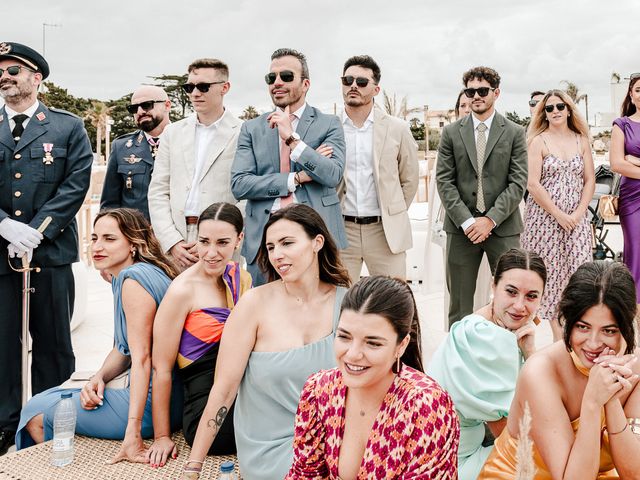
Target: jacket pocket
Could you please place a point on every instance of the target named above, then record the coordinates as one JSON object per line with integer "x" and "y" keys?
{"x": 397, "y": 207}
{"x": 45, "y": 169}
{"x": 330, "y": 199}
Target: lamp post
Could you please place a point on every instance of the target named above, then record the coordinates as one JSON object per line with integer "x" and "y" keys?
{"x": 44, "y": 26}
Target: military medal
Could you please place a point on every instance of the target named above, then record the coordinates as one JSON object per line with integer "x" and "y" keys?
{"x": 131, "y": 159}
{"x": 1, "y": 118}
{"x": 129, "y": 143}
{"x": 129, "y": 182}
{"x": 154, "y": 146}
{"x": 41, "y": 116}
{"x": 48, "y": 148}
{"x": 140, "y": 137}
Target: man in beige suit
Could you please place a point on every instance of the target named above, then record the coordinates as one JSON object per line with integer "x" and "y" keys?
{"x": 193, "y": 166}
{"x": 381, "y": 176}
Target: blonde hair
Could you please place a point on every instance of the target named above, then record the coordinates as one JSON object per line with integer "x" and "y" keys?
{"x": 539, "y": 123}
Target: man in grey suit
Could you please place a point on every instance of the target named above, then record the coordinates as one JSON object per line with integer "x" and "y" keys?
{"x": 481, "y": 177}
{"x": 276, "y": 164}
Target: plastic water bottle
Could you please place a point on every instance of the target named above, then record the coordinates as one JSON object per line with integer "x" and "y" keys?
{"x": 64, "y": 427}
{"x": 227, "y": 471}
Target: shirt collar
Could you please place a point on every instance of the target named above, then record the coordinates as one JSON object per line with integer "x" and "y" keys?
{"x": 347, "y": 121}
{"x": 29, "y": 112}
{"x": 487, "y": 122}
{"x": 214, "y": 125}
{"x": 298, "y": 113}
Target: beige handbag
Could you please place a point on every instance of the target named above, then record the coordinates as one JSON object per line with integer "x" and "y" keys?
{"x": 80, "y": 379}
{"x": 608, "y": 206}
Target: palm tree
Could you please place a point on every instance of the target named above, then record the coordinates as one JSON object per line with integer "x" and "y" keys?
{"x": 98, "y": 115}
{"x": 574, "y": 93}
{"x": 249, "y": 113}
{"x": 400, "y": 110}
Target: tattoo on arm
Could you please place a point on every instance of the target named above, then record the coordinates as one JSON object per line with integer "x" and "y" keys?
{"x": 216, "y": 423}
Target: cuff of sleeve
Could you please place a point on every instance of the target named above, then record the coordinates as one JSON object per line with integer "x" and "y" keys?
{"x": 492, "y": 221}
{"x": 291, "y": 182}
{"x": 296, "y": 153}
{"x": 467, "y": 223}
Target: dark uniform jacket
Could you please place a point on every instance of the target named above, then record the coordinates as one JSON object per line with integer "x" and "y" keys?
{"x": 35, "y": 185}
{"x": 128, "y": 173}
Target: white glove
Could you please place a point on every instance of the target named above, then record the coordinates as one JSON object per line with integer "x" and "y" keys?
{"x": 20, "y": 234}
{"x": 15, "y": 251}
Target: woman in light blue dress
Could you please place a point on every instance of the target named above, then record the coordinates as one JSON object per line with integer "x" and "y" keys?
{"x": 479, "y": 361}
{"x": 274, "y": 339}
{"x": 124, "y": 247}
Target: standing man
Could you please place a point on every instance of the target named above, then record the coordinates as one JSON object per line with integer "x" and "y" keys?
{"x": 45, "y": 170}
{"x": 276, "y": 163}
{"x": 193, "y": 165}
{"x": 132, "y": 155}
{"x": 481, "y": 176}
{"x": 381, "y": 176}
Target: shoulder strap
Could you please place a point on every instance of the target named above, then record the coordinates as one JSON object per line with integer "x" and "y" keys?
{"x": 545, "y": 143}
{"x": 340, "y": 293}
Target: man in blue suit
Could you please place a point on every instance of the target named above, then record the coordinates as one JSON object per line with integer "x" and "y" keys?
{"x": 45, "y": 169}
{"x": 276, "y": 160}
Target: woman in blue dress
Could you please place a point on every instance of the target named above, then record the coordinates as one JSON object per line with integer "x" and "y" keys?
{"x": 124, "y": 247}
{"x": 479, "y": 361}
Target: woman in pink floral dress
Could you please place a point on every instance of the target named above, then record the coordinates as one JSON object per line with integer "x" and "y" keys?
{"x": 561, "y": 184}
{"x": 377, "y": 415}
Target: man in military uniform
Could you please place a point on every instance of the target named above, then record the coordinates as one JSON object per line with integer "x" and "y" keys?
{"x": 45, "y": 169}
{"x": 132, "y": 156}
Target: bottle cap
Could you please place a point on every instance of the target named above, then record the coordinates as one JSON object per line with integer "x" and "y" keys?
{"x": 227, "y": 467}
{"x": 66, "y": 395}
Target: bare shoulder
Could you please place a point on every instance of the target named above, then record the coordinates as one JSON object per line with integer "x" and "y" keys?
{"x": 542, "y": 367}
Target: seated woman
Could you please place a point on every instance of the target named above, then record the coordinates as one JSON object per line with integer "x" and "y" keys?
{"x": 275, "y": 337}
{"x": 124, "y": 246}
{"x": 377, "y": 415}
{"x": 188, "y": 328}
{"x": 582, "y": 392}
{"x": 479, "y": 361}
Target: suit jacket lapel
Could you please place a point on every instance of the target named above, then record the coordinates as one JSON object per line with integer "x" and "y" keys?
{"x": 36, "y": 127}
{"x": 305, "y": 122}
{"x": 5, "y": 131}
{"x": 469, "y": 140}
{"x": 271, "y": 146}
{"x": 220, "y": 139}
{"x": 188, "y": 135}
{"x": 496, "y": 131}
{"x": 380, "y": 129}
{"x": 144, "y": 149}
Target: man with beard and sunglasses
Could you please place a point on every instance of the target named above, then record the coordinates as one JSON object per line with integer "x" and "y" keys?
{"x": 45, "y": 170}
{"x": 193, "y": 166}
{"x": 481, "y": 177}
{"x": 380, "y": 179}
{"x": 294, "y": 153}
{"x": 132, "y": 155}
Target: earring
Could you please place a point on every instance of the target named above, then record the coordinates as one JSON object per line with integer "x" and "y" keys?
{"x": 398, "y": 365}
{"x": 133, "y": 253}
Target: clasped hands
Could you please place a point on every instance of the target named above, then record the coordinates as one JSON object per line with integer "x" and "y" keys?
{"x": 480, "y": 230}
{"x": 612, "y": 376}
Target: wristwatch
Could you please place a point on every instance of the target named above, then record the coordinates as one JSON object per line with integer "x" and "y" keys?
{"x": 292, "y": 138}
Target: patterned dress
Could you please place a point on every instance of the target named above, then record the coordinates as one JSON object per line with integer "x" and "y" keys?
{"x": 563, "y": 252}
{"x": 415, "y": 434}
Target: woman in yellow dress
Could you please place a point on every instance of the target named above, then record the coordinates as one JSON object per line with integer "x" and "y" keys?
{"x": 582, "y": 392}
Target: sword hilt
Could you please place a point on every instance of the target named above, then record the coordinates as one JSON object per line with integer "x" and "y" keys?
{"x": 25, "y": 259}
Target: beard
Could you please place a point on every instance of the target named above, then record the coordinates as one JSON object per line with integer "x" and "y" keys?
{"x": 16, "y": 92}
{"x": 148, "y": 123}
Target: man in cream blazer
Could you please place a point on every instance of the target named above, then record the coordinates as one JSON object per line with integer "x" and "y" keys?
{"x": 193, "y": 166}
{"x": 381, "y": 176}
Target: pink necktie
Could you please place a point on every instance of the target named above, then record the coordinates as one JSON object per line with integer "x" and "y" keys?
{"x": 285, "y": 166}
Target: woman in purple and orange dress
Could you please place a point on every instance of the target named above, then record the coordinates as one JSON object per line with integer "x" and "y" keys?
{"x": 625, "y": 160}
{"x": 188, "y": 328}
{"x": 377, "y": 415}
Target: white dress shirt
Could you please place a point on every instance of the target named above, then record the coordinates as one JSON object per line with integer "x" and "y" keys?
{"x": 361, "y": 198}
{"x": 29, "y": 112}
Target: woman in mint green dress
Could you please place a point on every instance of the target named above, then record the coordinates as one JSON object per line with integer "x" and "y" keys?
{"x": 479, "y": 361}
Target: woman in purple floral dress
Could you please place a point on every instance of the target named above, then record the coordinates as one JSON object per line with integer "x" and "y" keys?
{"x": 561, "y": 184}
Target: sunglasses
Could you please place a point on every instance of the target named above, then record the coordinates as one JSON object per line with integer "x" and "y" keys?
{"x": 202, "y": 87}
{"x": 146, "y": 106}
{"x": 559, "y": 106}
{"x": 633, "y": 76}
{"x": 14, "y": 70}
{"x": 482, "y": 91}
{"x": 285, "y": 75}
{"x": 533, "y": 103}
{"x": 348, "y": 80}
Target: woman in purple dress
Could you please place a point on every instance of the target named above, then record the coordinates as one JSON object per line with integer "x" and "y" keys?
{"x": 625, "y": 160}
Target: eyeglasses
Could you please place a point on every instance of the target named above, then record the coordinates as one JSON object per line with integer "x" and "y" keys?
{"x": 633, "y": 76}
{"x": 559, "y": 106}
{"x": 348, "y": 80}
{"x": 533, "y": 103}
{"x": 285, "y": 75}
{"x": 146, "y": 106}
{"x": 14, "y": 70}
{"x": 203, "y": 87}
{"x": 482, "y": 91}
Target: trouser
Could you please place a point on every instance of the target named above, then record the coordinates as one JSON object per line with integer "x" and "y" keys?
{"x": 463, "y": 262}
{"x": 51, "y": 308}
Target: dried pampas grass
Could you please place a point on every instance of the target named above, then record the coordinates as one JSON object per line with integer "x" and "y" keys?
{"x": 525, "y": 467}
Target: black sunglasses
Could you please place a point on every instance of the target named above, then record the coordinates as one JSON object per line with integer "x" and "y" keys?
{"x": 633, "y": 76}
{"x": 533, "y": 103}
{"x": 14, "y": 70}
{"x": 285, "y": 75}
{"x": 560, "y": 106}
{"x": 203, "y": 87}
{"x": 146, "y": 106}
{"x": 482, "y": 91}
{"x": 348, "y": 80}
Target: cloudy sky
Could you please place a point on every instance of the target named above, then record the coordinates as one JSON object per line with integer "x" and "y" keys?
{"x": 104, "y": 50}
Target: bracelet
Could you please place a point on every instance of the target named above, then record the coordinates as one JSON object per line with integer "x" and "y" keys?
{"x": 617, "y": 433}
{"x": 296, "y": 178}
{"x": 135, "y": 418}
{"x": 195, "y": 461}
{"x": 634, "y": 423}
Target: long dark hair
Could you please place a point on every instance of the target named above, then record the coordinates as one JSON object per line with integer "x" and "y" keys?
{"x": 600, "y": 283}
{"x": 332, "y": 270}
{"x": 137, "y": 229}
{"x": 523, "y": 260}
{"x": 628, "y": 108}
{"x": 392, "y": 299}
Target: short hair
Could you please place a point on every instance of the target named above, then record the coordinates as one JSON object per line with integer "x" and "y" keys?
{"x": 224, "y": 212}
{"x": 605, "y": 283}
{"x": 535, "y": 93}
{"x": 290, "y": 52}
{"x": 482, "y": 73}
{"x": 521, "y": 259}
{"x": 364, "y": 61}
{"x": 214, "y": 63}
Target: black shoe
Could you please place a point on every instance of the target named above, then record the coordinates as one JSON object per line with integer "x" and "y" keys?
{"x": 7, "y": 438}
